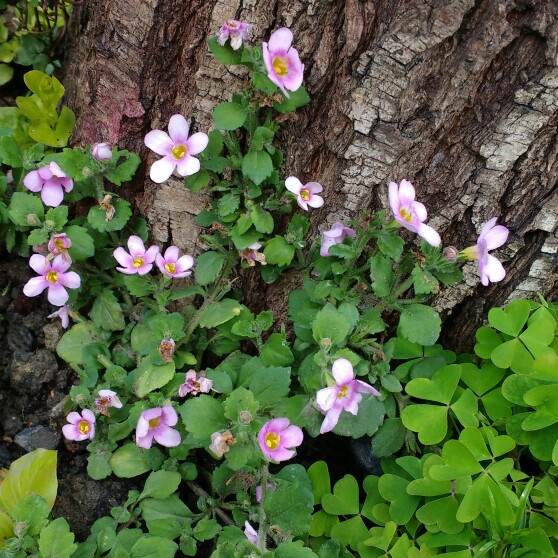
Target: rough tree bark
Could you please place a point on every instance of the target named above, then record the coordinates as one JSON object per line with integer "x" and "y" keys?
{"x": 459, "y": 96}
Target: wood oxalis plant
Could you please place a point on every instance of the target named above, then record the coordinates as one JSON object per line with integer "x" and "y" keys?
{"x": 188, "y": 385}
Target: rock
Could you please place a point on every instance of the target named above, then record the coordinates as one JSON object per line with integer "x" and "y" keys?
{"x": 37, "y": 437}
{"x": 19, "y": 338}
{"x": 29, "y": 371}
{"x": 52, "y": 333}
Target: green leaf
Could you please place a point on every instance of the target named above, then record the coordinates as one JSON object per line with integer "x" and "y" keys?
{"x": 6, "y": 73}
{"x": 153, "y": 547}
{"x": 71, "y": 344}
{"x": 208, "y": 267}
{"x": 97, "y": 216}
{"x": 263, "y": 221}
{"x": 203, "y": 416}
{"x": 511, "y": 319}
{"x": 381, "y": 274}
{"x": 106, "y": 312}
{"x": 128, "y": 163}
{"x": 420, "y": 324}
{"x": 296, "y": 99}
{"x": 220, "y": 312}
{"x": 160, "y": 484}
{"x": 33, "y": 511}
{"x": 318, "y": 473}
{"x": 56, "y": 540}
{"x": 262, "y": 136}
{"x": 229, "y": 116}
{"x": 228, "y": 204}
{"x": 11, "y": 153}
{"x": 150, "y": 377}
{"x": 276, "y": 351}
{"x": 331, "y": 324}
{"x": 279, "y": 252}
{"x": 389, "y": 438}
{"x": 402, "y": 504}
{"x": 224, "y": 54}
{"x": 271, "y": 385}
{"x": 206, "y": 529}
{"x": 37, "y": 237}
{"x": 345, "y": 497}
{"x": 130, "y": 461}
{"x": 293, "y": 549}
{"x": 198, "y": 181}
{"x": 391, "y": 245}
{"x": 22, "y": 205}
{"x": 366, "y": 422}
{"x": 257, "y": 166}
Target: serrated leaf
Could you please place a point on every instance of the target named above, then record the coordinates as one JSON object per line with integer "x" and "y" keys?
{"x": 257, "y": 166}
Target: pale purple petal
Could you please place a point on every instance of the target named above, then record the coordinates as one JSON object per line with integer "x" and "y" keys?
{"x": 169, "y": 416}
{"x": 301, "y": 203}
{"x": 493, "y": 269}
{"x": 277, "y": 424}
{"x": 187, "y": 166}
{"x": 143, "y": 426}
{"x": 363, "y": 387}
{"x": 35, "y": 286}
{"x": 73, "y": 417}
{"x": 393, "y": 194}
{"x": 171, "y": 253}
{"x": 167, "y": 436}
{"x": 122, "y": 257}
{"x": 326, "y": 397}
{"x": 70, "y": 432}
{"x": 61, "y": 263}
{"x": 292, "y": 436}
{"x": 38, "y": 264}
{"x": 184, "y": 263}
{"x": 56, "y": 170}
{"x": 331, "y": 419}
{"x": 144, "y": 269}
{"x": 420, "y": 211}
{"x": 70, "y": 279}
{"x": 315, "y": 201}
{"x": 406, "y": 193}
{"x": 136, "y": 246}
{"x": 67, "y": 184}
{"x": 88, "y": 416}
{"x": 280, "y": 40}
{"x": 45, "y": 173}
{"x": 352, "y": 403}
{"x": 57, "y": 294}
{"x": 144, "y": 441}
{"x": 197, "y": 143}
{"x": 429, "y": 234}
{"x": 178, "y": 129}
{"x": 295, "y": 75}
{"x": 293, "y": 184}
{"x": 486, "y": 227}
{"x": 151, "y": 253}
{"x": 282, "y": 454}
{"x": 33, "y": 181}
{"x": 314, "y": 187}
{"x": 496, "y": 237}
{"x": 250, "y": 533}
{"x": 52, "y": 194}
{"x": 342, "y": 371}
{"x": 159, "y": 141}
{"x": 161, "y": 170}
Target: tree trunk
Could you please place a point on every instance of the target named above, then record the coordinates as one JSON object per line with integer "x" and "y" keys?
{"x": 458, "y": 96}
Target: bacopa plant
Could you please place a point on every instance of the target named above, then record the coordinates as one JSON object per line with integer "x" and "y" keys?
{"x": 182, "y": 382}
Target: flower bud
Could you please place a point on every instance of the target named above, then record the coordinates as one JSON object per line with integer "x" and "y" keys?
{"x": 101, "y": 151}
{"x": 245, "y": 416}
{"x": 32, "y": 219}
{"x": 450, "y": 253}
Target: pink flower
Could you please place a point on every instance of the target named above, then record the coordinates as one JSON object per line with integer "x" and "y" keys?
{"x": 276, "y": 436}
{"x": 334, "y": 236}
{"x": 166, "y": 348}
{"x": 177, "y": 149}
{"x": 59, "y": 244}
{"x": 220, "y": 442}
{"x": 156, "y": 423}
{"x": 251, "y": 533}
{"x": 101, "y": 151}
{"x": 283, "y": 64}
{"x": 139, "y": 260}
{"x": 259, "y": 490}
{"x": 194, "y": 384}
{"x": 492, "y": 236}
{"x": 81, "y": 427}
{"x": 62, "y": 313}
{"x": 306, "y": 195}
{"x": 234, "y": 30}
{"x": 52, "y": 276}
{"x": 410, "y": 213}
{"x": 107, "y": 398}
{"x": 51, "y": 182}
{"x": 172, "y": 266}
{"x": 251, "y": 255}
{"x": 346, "y": 394}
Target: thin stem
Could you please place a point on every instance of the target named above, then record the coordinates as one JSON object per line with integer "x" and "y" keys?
{"x": 262, "y": 518}
{"x": 199, "y": 491}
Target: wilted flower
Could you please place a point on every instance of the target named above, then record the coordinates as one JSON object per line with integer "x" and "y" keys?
{"x": 107, "y": 398}
{"x": 101, "y": 151}
{"x": 195, "y": 383}
{"x": 345, "y": 394}
{"x": 62, "y": 313}
{"x": 58, "y": 245}
{"x": 81, "y": 427}
{"x": 410, "y": 213}
{"x": 334, "y": 236}
{"x": 220, "y": 442}
{"x": 283, "y": 64}
{"x": 156, "y": 423}
{"x": 166, "y": 348}
{"x": 52, "y": 276}
{"x": 51, "y": 181}
{"x": 276, "y": 436}
{"x": 139, "y": 260}
{"x": 107, "y": 207}
{"x": 305, "y": 195}
{"x": 234, "y": 30}
{"x": 177, "y": 149}
{"x": 492, "y": 236}
{"x": 172, "y": 266}
{"x": 251, "y": 533}
{"x": 251, "y": 255}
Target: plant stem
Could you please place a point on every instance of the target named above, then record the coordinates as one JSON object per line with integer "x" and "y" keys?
{"x": 199, "y": 491}
{"x": 262, "y": 519}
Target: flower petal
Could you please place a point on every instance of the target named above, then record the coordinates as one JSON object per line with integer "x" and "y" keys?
{"x": 33, "y": 181}
{"x": 420, "y": 211}
{"x": 136, "y": 246}
{"x": 57, "y": 295}
{"x": 161, "y": 170}
{"x": 342, "y": 371}
{"x": 73, "y": 417}
{"x": 70, "y": 279}
{"x": 184, "y": 263}
{"x": 158, "y": 141}
{"x": 39, "y": 264}
{"x": 178, "y": 129}
{"x": 314, "y": 187}
{"x": 393, "y": 195}
{"x": 171, "y": 253}
{"x": 406, "y": 192}
{"x": 429, "y": 234}
{"x": 150, "y": 253}
{"x": 35, "y": 286}
{"x": 293, "y": 185}
{"x": 52, "y": 194}
{"x": 325, "y": 398}
{"x": 280, "y": 40}
{"x": 188, "y": 166}
{"x": 486, "y": 227}
{"x": 494, "y": 269}
{"x": 144, "y": 441}
{"x": 330, "y": 419}
{"x": 291, "y": 437}
{"x": 122, "y": 257}
{"x": 315, "y": 201}
{"x": 169, "y": 415}
{"x": 197, "y": 143}
{"x": 143, "y": 427}
{"x": 496, "y": 237}
{"x": 167, "y": 436}
{"x": 363, "y": 387}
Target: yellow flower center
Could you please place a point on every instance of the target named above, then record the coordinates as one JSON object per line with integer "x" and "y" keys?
{"x": 52, "y": 277}
{"x": 179, "y": 151}
{"x": 280, "y": 66}
{"x": 154, "y": 423}
{"x": 104, "y": 401}
{"x": 138, "y": 261}
{"x": 305, "y": 194}
{"x": 407, "y": 215}
{"x": 272, "y": 440}
{"x": 83, "y": 426}
{"x": 170, "y": 267}
{"x": 231, "y": 23}
{"x": 342, "y": 392}
{"x": 59, "y": 244}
